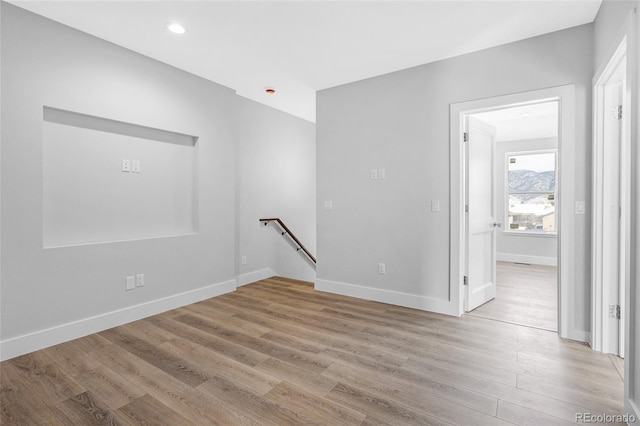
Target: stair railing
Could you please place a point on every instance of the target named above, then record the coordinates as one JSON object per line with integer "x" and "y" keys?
{"x": 287, "y": 231}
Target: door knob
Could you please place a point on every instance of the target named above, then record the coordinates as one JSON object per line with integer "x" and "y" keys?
{"x": 497, "y": 224}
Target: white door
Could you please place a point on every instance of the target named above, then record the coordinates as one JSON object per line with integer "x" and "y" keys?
{"x": 480, "y": 220}
{"x": 613, "y": 264}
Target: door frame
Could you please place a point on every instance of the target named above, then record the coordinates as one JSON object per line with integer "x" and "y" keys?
{"x": 602, "y": 339}
{"x": 565, "y": 95}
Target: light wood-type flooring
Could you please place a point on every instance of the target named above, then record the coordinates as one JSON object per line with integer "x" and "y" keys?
{"x": 525, "y": 294}
{"x": 277, "y": 352}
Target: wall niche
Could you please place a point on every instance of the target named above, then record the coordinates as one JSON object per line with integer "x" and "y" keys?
{"x": 106, "y": 180}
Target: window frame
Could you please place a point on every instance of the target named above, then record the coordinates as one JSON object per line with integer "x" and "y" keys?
{"x": 529, "y": 232}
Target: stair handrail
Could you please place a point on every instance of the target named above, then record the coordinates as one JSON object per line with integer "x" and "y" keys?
{"x": 291, "y": 234}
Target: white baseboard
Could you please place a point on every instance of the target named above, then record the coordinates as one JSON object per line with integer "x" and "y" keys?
{"x": 521, "y": 258}
{"x": 252, "y": 277}
{"x": 388, "y": 296}
{"x": 579, "y": 335}
{"x": 24, "y": 344}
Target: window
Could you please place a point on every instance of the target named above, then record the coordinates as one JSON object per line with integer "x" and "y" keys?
{"x": 531, "y": 192}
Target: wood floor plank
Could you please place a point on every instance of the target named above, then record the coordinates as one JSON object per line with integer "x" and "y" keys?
{"x": 229, "y": 349}
{"x": 525, "y": 294}
{"x": 319, "y": 410}
{"x": 46, "y": 380}
{"x": 19, "y": 407}
{"x": 155, "y": 356}
{"x": 535, "y": 401}
{"x": 380, "y": 407}
{"x": 314, "y": 383}
{"x": 602, "y": 402}
{"x": 430, "y": 395}
{"x": 109, "y": 387}
{"x": 213, "y": 364}
{"x": 278, "y": 352}
{"x": 175, "y": 394}
{"x": 84, "y": 409}
{"x": 290, "y": 355}
{"x": 618, "y": 363}
{"x": 526, "y": 417}
{"x": 147, "y": 410}
{"x": 257, "y": 408}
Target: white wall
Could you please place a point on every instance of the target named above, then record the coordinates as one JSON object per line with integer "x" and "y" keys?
{"x": 62, "y": 292}
{"x": 277, "y": 176}
{"x": 400, "y": 121}
{"x": 517, "y": 248}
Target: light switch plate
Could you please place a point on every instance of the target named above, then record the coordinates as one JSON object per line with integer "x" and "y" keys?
{"x": 435, "y": 205}
{"x": 374, "y": 174}
{"x": 140, "y": 280}
{"x": 328, "y": 206}
{"x": 130, "y": 282}
{"x": 580, "y": 207}
{"x": 135, "y": 166}
{"x": 381, "y": 173}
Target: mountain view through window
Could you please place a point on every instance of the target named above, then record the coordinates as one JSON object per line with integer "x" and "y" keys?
{"x": 531, "y": 191}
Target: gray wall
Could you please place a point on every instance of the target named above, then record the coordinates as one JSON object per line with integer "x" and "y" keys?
{"x": 509, "y": 246}
{"x": 47, "y": 64}
{"x": 54, "y": 294}
{"x": 277, "y": 177}
{"x": 87, "y": 198}
{"x": 609, "y": 28}
{"x": 400, "y": 122}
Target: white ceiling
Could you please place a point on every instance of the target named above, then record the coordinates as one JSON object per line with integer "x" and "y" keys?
{"x": 301, "y": 46}
{"x": 531, "y": 121}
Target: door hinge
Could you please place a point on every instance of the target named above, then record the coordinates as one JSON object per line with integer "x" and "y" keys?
{"x": 465, "y": 138}
{"x": 616, "y": 112}
{"x": 614, "y": 311}
{"x": 465, "y": 280}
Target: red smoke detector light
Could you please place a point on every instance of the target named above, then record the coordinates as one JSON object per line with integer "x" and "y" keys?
{"x": 270, "y": 90}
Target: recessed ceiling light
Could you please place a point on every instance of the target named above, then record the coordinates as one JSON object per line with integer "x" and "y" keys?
{"x": 526, "y": 114}
{"x": 176, "y": 28}
{"x": 270, "y": 90}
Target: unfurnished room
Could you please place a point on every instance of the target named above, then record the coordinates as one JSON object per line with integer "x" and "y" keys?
{"x": 319, "y": 212}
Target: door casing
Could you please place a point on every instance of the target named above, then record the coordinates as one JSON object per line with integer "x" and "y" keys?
{"x": 611, "y": 180}
{"x": 565, "y": 95}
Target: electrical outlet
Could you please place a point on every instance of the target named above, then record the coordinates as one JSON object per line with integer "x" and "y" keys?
{"x": 374, "y": 174}
{"x": 244, "y": 260}
{"x": 126, "y": 165}
{"x": 435, "y": 206}
{"x": 130, "y": 283}
{"x": 382, "y": 268}
{"x": 381, "y": 173}
{"x": 140, "y": 280}
{"x": 328, "y": 206}
{"x": 135, "y": 166}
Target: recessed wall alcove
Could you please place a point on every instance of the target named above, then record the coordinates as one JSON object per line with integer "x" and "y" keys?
{"x": 89, "y": 197}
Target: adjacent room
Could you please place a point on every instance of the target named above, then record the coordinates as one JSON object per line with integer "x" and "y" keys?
{"x": 309, "y": 212}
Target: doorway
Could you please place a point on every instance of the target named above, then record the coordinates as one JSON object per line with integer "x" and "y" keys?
{"x": 512, "y": 226}
{"x": 611, "y": 207}
{"x": 565, "y": 98}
